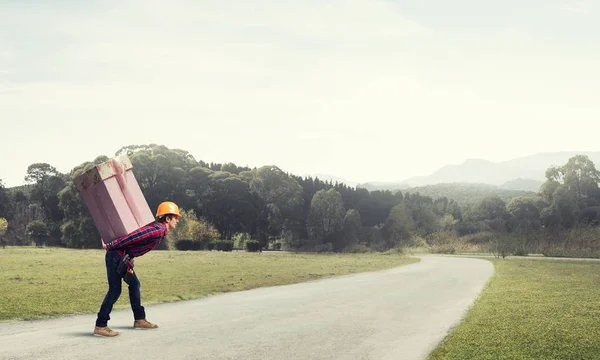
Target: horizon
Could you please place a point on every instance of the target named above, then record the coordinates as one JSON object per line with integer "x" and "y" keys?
{"x": 368, "y": 91}
{"x": 351, "y": 182}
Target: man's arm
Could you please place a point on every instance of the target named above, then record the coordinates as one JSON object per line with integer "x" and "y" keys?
{"x": 131, "y": 238}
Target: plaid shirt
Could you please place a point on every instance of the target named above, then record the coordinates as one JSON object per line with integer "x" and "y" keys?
{"x": 140, "y": 241}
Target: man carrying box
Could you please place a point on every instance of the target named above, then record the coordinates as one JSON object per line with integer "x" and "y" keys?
{"x": 134, "y": 244}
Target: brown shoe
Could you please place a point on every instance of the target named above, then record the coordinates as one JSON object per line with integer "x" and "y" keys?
{"x": 143, "y": 324}
{"x": 105, "y": 331}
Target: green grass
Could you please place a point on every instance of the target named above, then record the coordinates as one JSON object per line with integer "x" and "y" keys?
{"x": 38, "y": 283}
{"x": 532, "y": 309}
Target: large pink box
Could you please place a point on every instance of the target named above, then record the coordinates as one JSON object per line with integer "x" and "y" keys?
{"x": 114, "y": 198}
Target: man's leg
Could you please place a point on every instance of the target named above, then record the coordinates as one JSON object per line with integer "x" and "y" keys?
{"x": 114, "y": 289}
{"x": 135, "y": 298}
{"x": 139, "y": 313}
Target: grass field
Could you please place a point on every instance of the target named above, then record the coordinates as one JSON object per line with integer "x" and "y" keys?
{"x": 532, "y": 309}
{"x": 40, "y": 283}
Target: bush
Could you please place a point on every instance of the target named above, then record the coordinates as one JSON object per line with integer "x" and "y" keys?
{"x": 483, "y": 237}
{"x": 240, "y": 239}
{"x": 222, "y": 245}
{"x": 188, "y": 245}
{"x": 447, "y": 242}
{"x": 324, "y": 248}
{"x": 277, "y": 246}
{"x": 194, "y": 229}
{"x": 253, "y": 245}
{"x": 399, "y": 250}
{"x": 444, "y": 249}
{"x": 417, "y": 241}
{"x": 581, "y": 241}
{"x": 357, "y": 249}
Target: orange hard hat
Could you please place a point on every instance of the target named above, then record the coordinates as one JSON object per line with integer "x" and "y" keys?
{"x": 167, "y": 208}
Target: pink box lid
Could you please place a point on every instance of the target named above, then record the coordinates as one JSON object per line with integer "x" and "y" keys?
{"x": 101, "y": 172}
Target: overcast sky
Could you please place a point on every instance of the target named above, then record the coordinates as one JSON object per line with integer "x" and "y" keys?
{"x": 362, "y": 89}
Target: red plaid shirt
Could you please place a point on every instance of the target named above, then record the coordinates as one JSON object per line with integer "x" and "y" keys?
{"x": 140, "y": 241}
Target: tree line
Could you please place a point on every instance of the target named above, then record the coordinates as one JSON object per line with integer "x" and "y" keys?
{"x": 271, "y": 208}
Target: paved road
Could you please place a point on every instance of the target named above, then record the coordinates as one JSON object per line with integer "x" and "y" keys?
{"x": 401, "y": 313}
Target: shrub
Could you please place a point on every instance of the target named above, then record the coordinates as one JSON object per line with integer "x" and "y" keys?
{"x": 186, "y": 244}
{"x": 240, "y": 239}
{"x": 222, "y": 245}
{"x": 277, "y": 246}
{"x": 193, "y": 228}
{"x": 324, "y": 248}
{"x": 357, "y": 249}
{"x": 399, "y": 250}
{"x": 253, "y": 245}
{"x": 444, "y": 249}
{"x": 417, "y": 241}
{"x": 447, "y": 242}
{"x": 480, "y": 238}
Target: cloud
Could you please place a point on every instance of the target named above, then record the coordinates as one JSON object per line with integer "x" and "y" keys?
{"x": 578, "y": 7}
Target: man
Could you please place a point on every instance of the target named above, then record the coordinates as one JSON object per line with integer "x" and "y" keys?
{"x": 136, "y": 244}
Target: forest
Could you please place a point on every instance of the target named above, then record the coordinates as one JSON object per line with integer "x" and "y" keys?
{"x": 227, "y": 206}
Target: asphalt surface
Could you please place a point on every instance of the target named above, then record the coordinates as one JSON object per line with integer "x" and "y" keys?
{"x": 401, "y": 313}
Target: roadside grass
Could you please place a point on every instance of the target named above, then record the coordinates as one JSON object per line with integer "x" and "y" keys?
{"x": 531, "y": 309}
{"x": 38, "y": 283}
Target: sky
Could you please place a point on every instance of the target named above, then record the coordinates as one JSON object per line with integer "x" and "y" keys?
{"x": 366, "y": 90}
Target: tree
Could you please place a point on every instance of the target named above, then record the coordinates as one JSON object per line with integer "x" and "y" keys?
{"x": 573, "y": 193}
{"x": 232, "y": 168}
{"x": 579, "y": 177}
{"x": 375, "y": 206}
{"x": 564, "y": 207}
{"x": 326, "y": 218}
{"x": 281, "y": 194}
{"x": 398, "y": 227}
{"x": 525, "y": 212}
{"x": 38, "y": 230}
{"x": 352, "y": 226}
{"x": 47, "y": 182}
{"x": 491, "y": 211}
{"x": 38, "y": 173}
{"x": 488, "y": 208}
{"x": 3, "y": 229}
{"x": 229, "y": 204}
{"x": 423, "y": 211}
{"x": 161, "y": 172}
{"x": 4, "y": 201}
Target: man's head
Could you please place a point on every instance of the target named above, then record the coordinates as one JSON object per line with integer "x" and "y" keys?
{"x": 168, "y": 214}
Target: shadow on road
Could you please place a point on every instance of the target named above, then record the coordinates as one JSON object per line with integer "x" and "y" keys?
{"x": 81, "y": 334}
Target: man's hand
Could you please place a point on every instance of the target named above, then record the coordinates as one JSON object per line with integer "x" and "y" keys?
{"x": 103, "y": 244}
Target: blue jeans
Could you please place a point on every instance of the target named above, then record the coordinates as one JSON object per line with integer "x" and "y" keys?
{"x": 112, "y": 259}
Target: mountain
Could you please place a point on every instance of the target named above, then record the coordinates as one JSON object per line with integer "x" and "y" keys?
{"x": 376, "y": 185}
{"x": 538, "y": 164}
{"x": 522, "y": 184}
{"x": 471, "y": 171}
{"x": 529, "y": 169}
{"x": 525, "y": 173}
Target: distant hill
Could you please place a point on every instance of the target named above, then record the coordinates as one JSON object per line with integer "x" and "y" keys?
{"x": 375, "y": 185}
{"x": 332, "y": 178}
{"x": 465, "y": 194}
{"x": 525, "y": 173}
{"x": 539, "y": 163}
{"x": 522, "y": 184}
